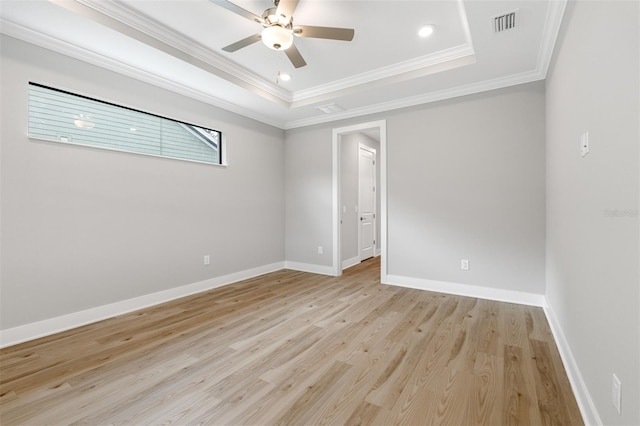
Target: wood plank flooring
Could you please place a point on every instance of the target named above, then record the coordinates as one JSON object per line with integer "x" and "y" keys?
{"x": 297, "y": 348}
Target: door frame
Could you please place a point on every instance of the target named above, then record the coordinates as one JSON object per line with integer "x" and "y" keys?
{"x": 375, "y": 197}
{"x": 337, "y": 133}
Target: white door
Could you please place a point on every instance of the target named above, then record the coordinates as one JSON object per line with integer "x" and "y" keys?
{"x": 366, "y": 202}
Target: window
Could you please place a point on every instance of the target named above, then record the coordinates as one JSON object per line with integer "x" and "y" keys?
{"x": 56, "y": 115}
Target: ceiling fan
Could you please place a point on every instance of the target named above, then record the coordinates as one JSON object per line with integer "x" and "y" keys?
{"x": 279, "y": 30}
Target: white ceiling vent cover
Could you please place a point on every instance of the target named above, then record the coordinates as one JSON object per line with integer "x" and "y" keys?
{"x": 330, "y": 108}
{"x": 504, "y": 22}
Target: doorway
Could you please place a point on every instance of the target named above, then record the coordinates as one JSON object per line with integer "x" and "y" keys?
{"x": 367, "y": 237}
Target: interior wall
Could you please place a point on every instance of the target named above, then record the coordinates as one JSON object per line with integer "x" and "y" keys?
{"x": 593, "y": 281}
{"x": 84, "y": 227}
{"x": 349, "y": 152}
{"x": 308, "y": 202}
{"x": 474, "y": 191}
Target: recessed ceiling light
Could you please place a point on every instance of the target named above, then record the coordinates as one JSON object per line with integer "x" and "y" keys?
{"x": 426, "y": 31}
{"x": 285, "y": 77}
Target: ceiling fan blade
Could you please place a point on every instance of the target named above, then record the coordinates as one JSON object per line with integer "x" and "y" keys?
{"x": 238, "y": 10}
{"x": 295, "y": 57}
{"x": 242, "y": 43}
{"x": 286, "y": 7}
{"x": 345, "y": 34}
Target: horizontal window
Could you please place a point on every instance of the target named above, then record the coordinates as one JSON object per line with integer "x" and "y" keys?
{"x": 61, "y": 116}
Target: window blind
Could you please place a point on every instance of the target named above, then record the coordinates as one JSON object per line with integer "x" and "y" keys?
{"x": 60, "y": 116}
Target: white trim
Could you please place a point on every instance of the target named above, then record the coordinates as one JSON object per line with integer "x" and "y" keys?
{"x": 552, "y": 23}
{"x": 454, "y": 92}
{"x": 383, "y": 200}
{"x": 309, "y": 267}
{"x": 439, "y": 61}
{"x": 57, "y": 45}
{"x": 244, "y": 78}
{"x": 350, "y": 262}
{"x": 480, "y": 292}
{"x": 139, "y": 26}
{"x": 207, "y": 63}
{"x": 50, "y": 326}
{"x": 139, "y": 22}
{"x": 585, "y": 403}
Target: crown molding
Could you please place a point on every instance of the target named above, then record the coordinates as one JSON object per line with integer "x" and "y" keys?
{"x": 385, "y": 75}
{"x": 552, "y": 23}
{"x": 123, "y": 28}
{"x": 469, "y": 89}
{"x": 551, "y": 30}
{"x": 393, "y": 73}
{"x": 131, "y": 17}
{"x": 55, "y": 44}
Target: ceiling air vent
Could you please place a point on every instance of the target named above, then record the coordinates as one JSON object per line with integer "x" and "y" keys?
{"x": 330, "y": 108}
{"x": 504, "y": 22}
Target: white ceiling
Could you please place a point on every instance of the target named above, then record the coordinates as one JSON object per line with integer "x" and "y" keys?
{"x": 177, "y": 44}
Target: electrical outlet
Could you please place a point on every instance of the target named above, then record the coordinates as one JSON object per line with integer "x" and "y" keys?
{"x": 464, "y": 264}
{"x": 207, "y": 259}
{"x": 320, "y": 250}
{"x": 616, "y": 393}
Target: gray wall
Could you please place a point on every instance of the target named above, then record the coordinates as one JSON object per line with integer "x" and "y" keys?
{"x": 473, "y": 191}
{"x": 308, "y": 210}
{"x": 83, "y": 227}
{"x": 349, "y": 152}
{"x": 592, "y": 202}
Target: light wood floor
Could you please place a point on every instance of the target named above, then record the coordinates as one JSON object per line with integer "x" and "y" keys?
{"x": 297, "y": 348}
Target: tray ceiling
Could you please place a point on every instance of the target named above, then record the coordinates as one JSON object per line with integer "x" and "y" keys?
{"x": 178, "y": 45}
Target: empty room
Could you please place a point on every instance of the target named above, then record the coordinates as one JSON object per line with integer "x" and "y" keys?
{"x": 377, "y": 212}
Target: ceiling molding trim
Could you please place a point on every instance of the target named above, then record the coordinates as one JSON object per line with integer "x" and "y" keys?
{"x": 465, "y": 24}
{"x": 384, "y": 73}
{"x": 57, "y": 45}
{"x": 422, "y": 72}
{"x": 452, "y": 54}
{"x": 87, "y": 12}
{"x": 140, "y": 22}
{"x": 552, "y": 24}
{"x": 469, "y": 89}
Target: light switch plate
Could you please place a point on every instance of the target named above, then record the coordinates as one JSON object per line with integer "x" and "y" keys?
{"x": 584, "y": 144}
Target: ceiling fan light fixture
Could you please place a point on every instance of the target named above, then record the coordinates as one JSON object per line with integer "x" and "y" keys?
{"x": 277, "y": 38}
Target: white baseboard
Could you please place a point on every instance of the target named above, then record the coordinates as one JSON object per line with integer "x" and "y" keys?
{"x": 585, "y": 403}
{"x": 50, "y": 326}
{"x": 498, "y": 294}
{"x": 350, "y": 262}
{"x": 310, "y": 267}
